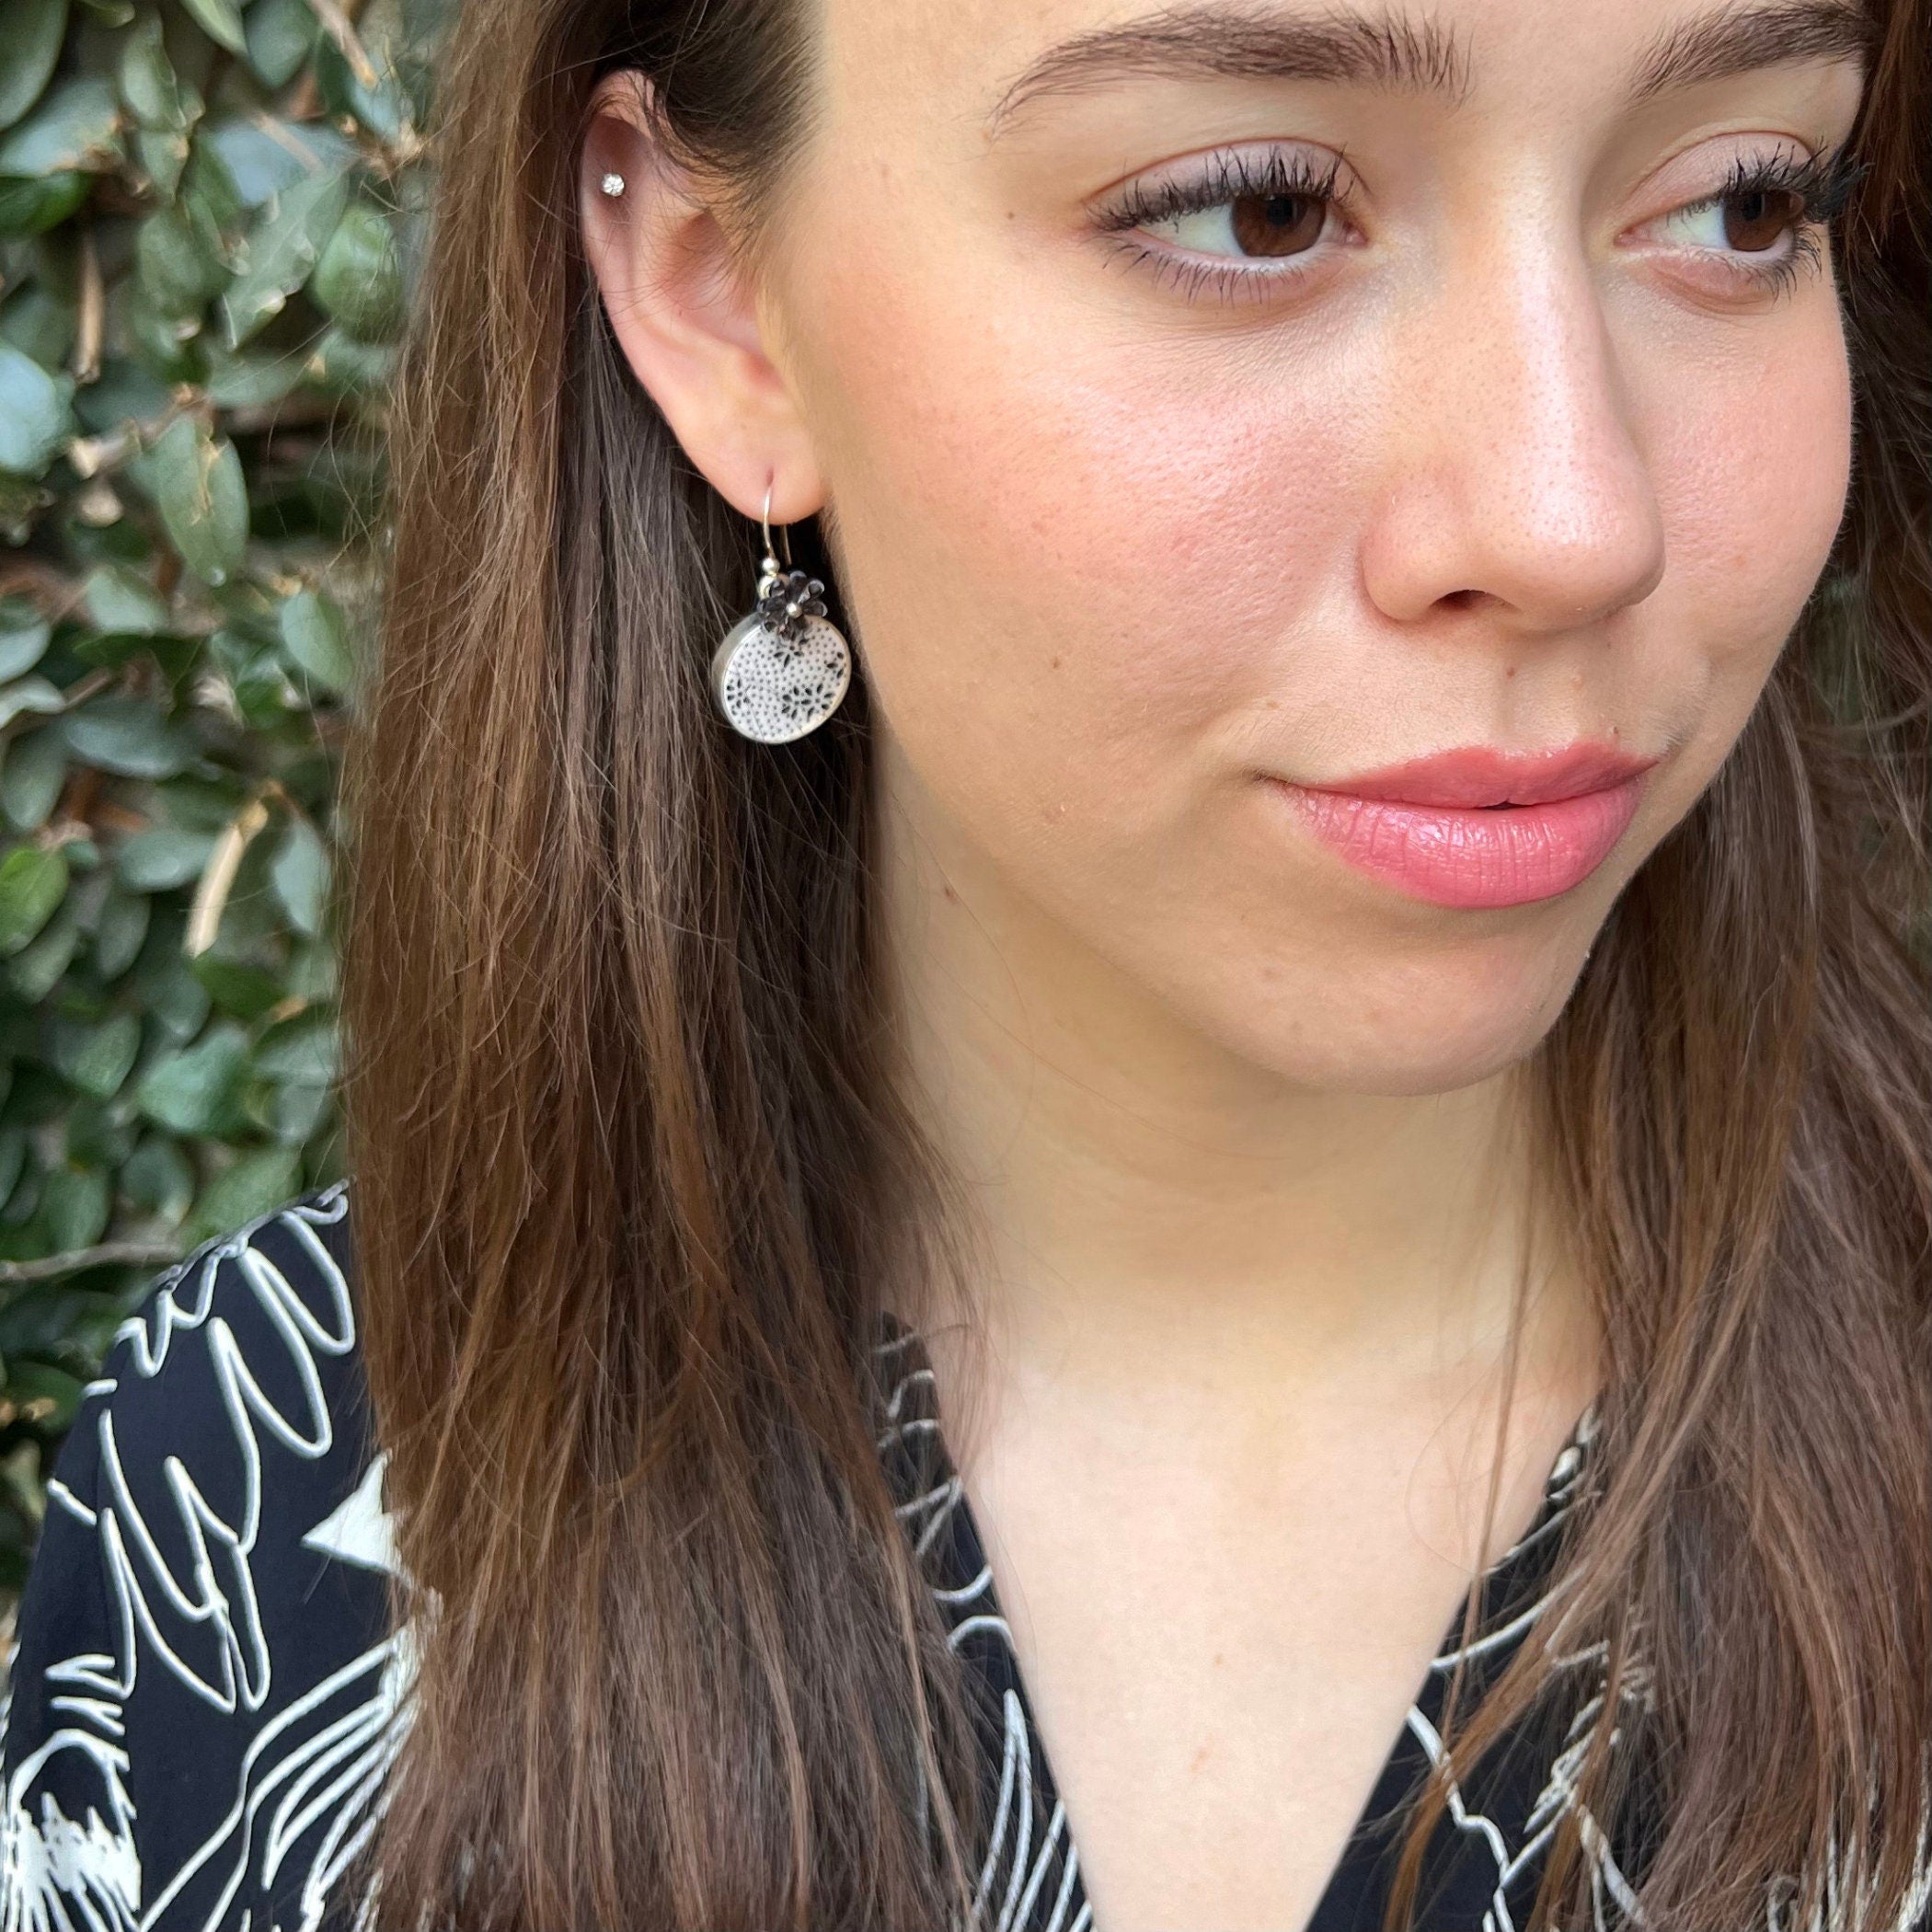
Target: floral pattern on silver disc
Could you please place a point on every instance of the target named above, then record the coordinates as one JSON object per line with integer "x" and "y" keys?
{"x": 777, "y": 684}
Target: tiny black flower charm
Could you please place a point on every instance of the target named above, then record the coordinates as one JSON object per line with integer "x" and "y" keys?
{"x": 784, "y": 601}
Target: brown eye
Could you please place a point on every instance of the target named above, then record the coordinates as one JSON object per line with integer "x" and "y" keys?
{"x": 1277, "y": 223}
{"x": 1760, "y": 218}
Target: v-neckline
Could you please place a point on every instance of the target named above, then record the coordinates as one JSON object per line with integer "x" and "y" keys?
{"x": 1030, "y": 1878}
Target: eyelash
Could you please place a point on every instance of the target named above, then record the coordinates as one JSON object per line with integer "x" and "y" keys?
{"x": 1820, "y": 184}
{"x": 1229, "y": 178}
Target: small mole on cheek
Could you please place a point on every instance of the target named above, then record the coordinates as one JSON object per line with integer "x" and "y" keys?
{"x": 1052, "y": 663}
{"x": 1510, "y": 672}
{"x": 952, "y": 898}
{"x": 1199, "y": 1759}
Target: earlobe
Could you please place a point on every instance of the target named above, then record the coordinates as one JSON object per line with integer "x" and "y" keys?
{"x": 684, "y": 313}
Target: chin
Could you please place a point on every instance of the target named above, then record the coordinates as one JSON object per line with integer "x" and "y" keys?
{"x": 1421, "y": 1023}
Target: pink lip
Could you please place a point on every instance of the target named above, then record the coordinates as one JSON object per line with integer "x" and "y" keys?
{"x": 1478, "y": 826}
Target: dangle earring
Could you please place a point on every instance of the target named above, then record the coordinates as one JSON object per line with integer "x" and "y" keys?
{"x": 783, "y": 668}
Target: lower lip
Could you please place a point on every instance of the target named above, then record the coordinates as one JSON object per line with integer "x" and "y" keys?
{"x": 1461, "y": 855}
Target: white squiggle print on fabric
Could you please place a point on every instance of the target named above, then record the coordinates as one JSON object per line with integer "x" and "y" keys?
{"x": 312, "y": 1775}
{"x": 172, "y": 1548}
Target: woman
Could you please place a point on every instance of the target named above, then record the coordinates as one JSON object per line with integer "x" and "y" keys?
{"x": 1306, "y": 935}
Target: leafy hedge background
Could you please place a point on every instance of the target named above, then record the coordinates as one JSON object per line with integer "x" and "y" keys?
{"x": 206, "y": 207}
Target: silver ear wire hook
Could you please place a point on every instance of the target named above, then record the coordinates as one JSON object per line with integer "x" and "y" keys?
{"x": 770, "y": 571}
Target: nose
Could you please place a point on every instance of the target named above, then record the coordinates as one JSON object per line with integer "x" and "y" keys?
{"x": 1514, "y": 484}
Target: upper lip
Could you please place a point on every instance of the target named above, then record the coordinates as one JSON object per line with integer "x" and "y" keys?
{"x": 1484, "y": 775}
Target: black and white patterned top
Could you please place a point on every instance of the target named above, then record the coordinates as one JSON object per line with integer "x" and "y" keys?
{"x": 206, "y": 1698}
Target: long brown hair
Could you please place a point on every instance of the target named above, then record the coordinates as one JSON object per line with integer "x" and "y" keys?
{"x": 631, "y": 1169}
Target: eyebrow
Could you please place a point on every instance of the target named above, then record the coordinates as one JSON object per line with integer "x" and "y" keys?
{"x": 1742, "y": 40}
{"x": 1220, "y": 42}
{"x": 1390, "y": 51}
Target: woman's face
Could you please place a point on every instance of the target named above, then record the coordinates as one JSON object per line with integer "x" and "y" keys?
{"x": 1215, "y": 406}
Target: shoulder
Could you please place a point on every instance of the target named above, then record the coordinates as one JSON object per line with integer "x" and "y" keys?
{"x": 203, "y": 1686}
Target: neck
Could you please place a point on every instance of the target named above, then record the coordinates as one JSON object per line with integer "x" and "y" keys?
{"x": 1147, "y": 1202}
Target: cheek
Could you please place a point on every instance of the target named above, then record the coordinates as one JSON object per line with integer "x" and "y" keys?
{"x": 1068, "y": 559}
{"x": 1753, "y": 482}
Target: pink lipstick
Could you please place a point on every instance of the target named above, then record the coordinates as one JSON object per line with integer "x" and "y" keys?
{"x": 1476, "y": 826}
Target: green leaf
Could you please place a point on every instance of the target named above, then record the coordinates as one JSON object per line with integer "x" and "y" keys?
{"x": 315, "y": 635}
{"x": 264, "y": 155}
{"x": 201, "y": 804}
{"x": 33, "y": 207}
{"x": 33, "y": 882}
{"x": 162, "y": 156}
{"x": 150, "y": 89}
{"x": 281, "y": 35}
{"x": 37, "y": 967}
{"x": 73, "y": 1209}
{"x": 28, "y": 695}
{"x": 179, "y": 273}
{"x": 30, "y": 782}
{"x": 35, "y": 420}
{"x": 159, "y": 1178}
{"x": 197, "y": 1089}
{"x": 41, "y": 321}
{"x": 23, "y": 638}
{"x": 358, "y": 280}
{"x": 203, "y": 500}
{"x": 246, "y": 382}
{"x": 99, "y": 1134}
{"x": 281, "y": 250}
{"x": 118, "y": 933}
{"x": 77, "y": 126}
{"x": 96, "y": 1056}
{"x": 344, "y": 366}
{"x": 176, "y": 1001}
{"x": 122, "y": 393}
{"x": 30, "y": 33}
{"x": 161, "y": 858}
{"x": 120, "y": 599}
{"x": 301, "y": 1050}
{"x": 243, "y": 991}
{"x": 300, "y": 873}
{"x": 128, "y": 735}
{"x": 254, "y": 1185}
{"x": 220, "y": 21}
{"x": 290, "y": 1113}
{"x": 165, "y": 348}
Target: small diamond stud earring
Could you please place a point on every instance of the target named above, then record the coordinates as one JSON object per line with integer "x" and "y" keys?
{"x": 612, "y": 184}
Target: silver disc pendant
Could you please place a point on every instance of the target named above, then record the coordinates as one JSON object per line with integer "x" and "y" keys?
{"x": 777, "y": 682}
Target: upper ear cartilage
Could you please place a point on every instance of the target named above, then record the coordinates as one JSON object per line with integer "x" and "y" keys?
{"x": 612, "y": 184}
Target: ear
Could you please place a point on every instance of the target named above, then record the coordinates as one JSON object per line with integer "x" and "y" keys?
{"x": 684, "y": 314}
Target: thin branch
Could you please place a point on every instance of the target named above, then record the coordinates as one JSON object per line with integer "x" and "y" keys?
{"x": 211, "y": 896}
{"x": 105, "y": 1254}
{"x": 92, "y": 311}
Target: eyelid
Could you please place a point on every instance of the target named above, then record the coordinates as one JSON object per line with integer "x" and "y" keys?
{"x": 1823, "y": 175}
{"x": 1304, "y": 164}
